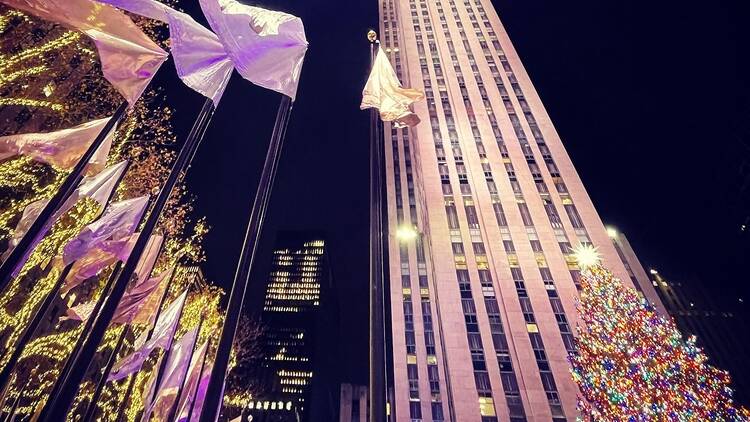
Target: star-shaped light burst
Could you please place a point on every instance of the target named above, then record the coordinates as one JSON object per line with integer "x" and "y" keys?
{"x": 587, "y": 255}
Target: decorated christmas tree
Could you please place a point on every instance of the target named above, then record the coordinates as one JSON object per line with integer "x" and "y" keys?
{"x": 632, "y": 364}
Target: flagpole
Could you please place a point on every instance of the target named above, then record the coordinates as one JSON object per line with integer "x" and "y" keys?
{"x": 59, "y": 384}
{"x": 377, "y": 334}
{"x": 25, "y": 246}
{"x": 44, "y": 307}
{"x": 17, "y": 401}
{"x": 131, "y": 379}
{"x": 30, "y": 329}
{"x": 215, "y": 389}
{"x": 4, "y": 395}
{"x": 91, "y": 405}
{"x": 176, "y": 403}
{"x": 198, "y": 386}
{"x": 57, "y": 406}
{"x": 167, "y": 354}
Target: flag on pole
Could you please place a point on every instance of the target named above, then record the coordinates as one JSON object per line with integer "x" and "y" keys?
{"x": 99, "y": 188}
{"x": 142, "y": 286}
{"x": 383, "y": 91}
{"x": 146, "y": 309}
{"x": 129, "y": 58}
{"x": 98, "y": 258}
{"x": 161, "y": 337}
{"x": 192, "y": 384}
{"x": 200, "y": 59}
{"x": 200, "y": 393}
{"x": 174, "y": 373}
{"x": 30, "y": 213}
{"x": 266, "y": 47}
{"x": 98, "y": 161}
{"x": 143, "y": 293}
{"x": 117, "y": 223}
{"x": 61, "y": 149}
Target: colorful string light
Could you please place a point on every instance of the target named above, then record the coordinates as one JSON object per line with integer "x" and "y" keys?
{"x": 633, "y": 365}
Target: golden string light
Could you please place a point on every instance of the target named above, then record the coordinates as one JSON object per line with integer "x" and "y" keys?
{"x": 53, "y": 95}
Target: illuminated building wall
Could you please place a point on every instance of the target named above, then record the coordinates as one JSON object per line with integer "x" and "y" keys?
{"x": 293, "y": 311}
{"x": 482, "y": 299}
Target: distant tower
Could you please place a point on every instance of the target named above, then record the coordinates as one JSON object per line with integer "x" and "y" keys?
{"x": 484, "y": 210}
{"x": 298, "y": 323}
{"x": 715, "y": 321}
{"x": 355, "y": 406}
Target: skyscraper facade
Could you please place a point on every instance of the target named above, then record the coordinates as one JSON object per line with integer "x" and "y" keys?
{"x": 295, "y": 308}
{"x": 636, "y": 273}
{"x": 482, "y": 299}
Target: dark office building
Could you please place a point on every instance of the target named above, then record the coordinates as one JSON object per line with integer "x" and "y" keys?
{"x": 300, "y": 316}
{"x": 715, "y": 321}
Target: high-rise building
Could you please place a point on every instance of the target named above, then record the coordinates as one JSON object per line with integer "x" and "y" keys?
{"x": 482, "y": 299}
{"x": 354, "y": 404}
{"x": 636, "y": 273}
{"x": 716, "y": 322}
{"x": 298, "y": 321}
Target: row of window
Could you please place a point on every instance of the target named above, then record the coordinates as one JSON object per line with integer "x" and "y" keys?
{"x": 415, "y": 407}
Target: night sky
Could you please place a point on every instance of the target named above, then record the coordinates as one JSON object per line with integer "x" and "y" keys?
{"x": 650, "y": 98}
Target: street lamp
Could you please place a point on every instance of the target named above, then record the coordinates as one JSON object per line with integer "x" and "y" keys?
{"x": 406, "y": 233}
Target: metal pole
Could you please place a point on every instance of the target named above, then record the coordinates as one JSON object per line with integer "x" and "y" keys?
{"x": 91, "y": 405}
{"x": 198, "y": 386}
{"x": 44, "y": 308}
{"x": 25, "y": 246}
{"x": 59, "y": 382}
{"x": 16, "y": 402}
{"x": 131, "y": 379}
{"x": 56, "y": 408}
{"x": 167, "y": 354}
{"x": 377, "y": 334}
{"x": 176, "y": 402}
{"x": 215, "y": 389}
{"x": 28, "y": 332}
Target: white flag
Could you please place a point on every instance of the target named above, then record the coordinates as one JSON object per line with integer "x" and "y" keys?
{"x": 98, "y": 188}
{"x": 129, "y": 58}
{"x": 119, "y": 221}
{"x": 266, "y": 47}
{"x": 140, "y": 290}
{"x": 384, "y": 92}
{"x": 200, "y": 59}
{"x": 96, "y": 259}
{"x": 62, "y": 149}
{"x": 174, "y": 373}
{"x": 192, "y": 384}
{"x": 162, "y": 338}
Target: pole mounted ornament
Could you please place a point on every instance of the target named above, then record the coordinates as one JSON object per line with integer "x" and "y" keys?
{"x": 372, "y": 36}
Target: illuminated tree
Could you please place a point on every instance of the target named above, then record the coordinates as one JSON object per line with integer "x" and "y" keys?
{"x": 244, "y": 380}
{"x": 631, "y": 364}
{"x": 50, "y": 79}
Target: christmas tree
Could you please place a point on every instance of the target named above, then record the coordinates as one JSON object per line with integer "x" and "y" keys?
{"x": 632, "y": 364}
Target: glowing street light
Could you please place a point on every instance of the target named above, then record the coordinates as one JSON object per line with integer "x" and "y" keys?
{"x": 406, "y": 233}
{"x": 612, "y": 232}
